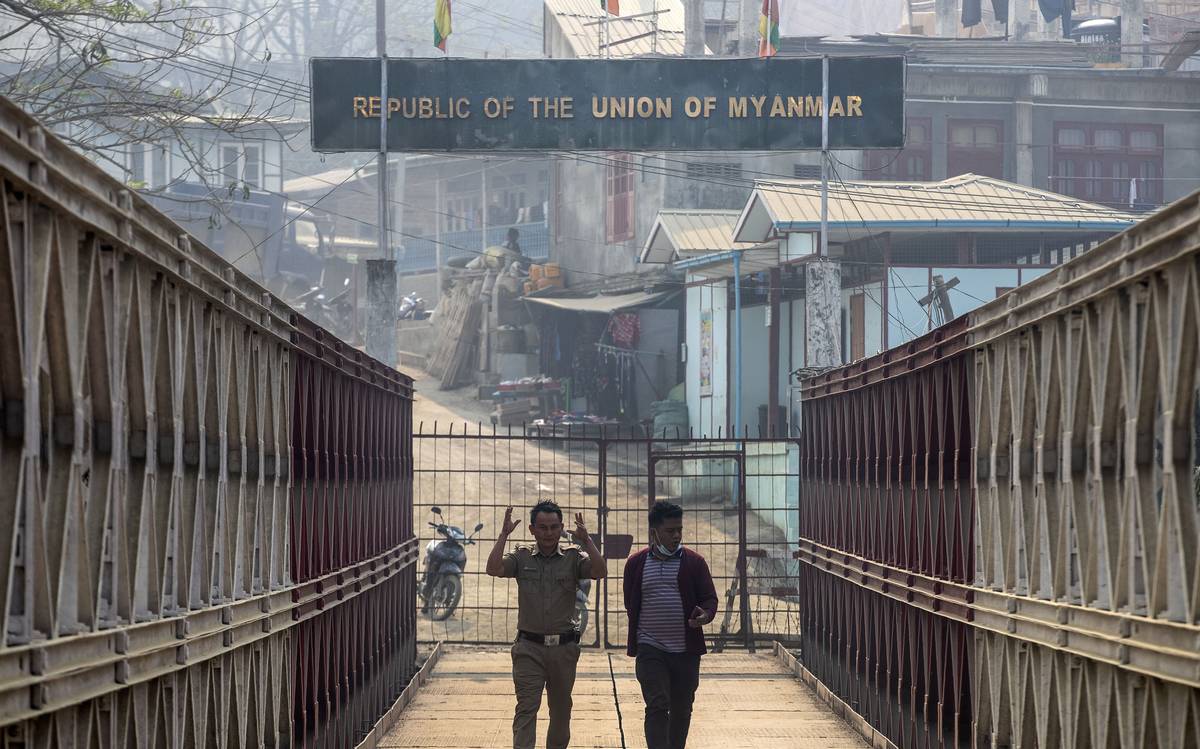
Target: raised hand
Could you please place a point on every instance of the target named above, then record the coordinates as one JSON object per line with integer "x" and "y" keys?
{"x": 510, "y": 525}
{"x": 581, "y": 531}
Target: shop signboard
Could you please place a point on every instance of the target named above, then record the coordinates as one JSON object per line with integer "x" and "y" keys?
{"x": 646, "y": 104}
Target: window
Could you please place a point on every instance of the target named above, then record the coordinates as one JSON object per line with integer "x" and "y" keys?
{"x": 1118, "y": 165}
{"x": 148, "y": 164}
{"x": 619, "y": 214}
{"x": 708, "y": 170}
{"x": 975, "y": 147}
{"x": 913, "y": 163}
{"x": 463, "y": 213}
{"x": 241, "y": 163}
{"x": 806, "y": 171}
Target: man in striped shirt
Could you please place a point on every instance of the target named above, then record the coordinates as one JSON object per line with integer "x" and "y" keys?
{"x": 669, "y": 596}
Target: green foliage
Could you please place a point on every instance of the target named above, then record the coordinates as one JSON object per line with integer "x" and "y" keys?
{"x": 123, "y": 11}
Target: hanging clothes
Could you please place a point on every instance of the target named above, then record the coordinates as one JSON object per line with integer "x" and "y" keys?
{"x": 626, "y": 328}
{"x": 972, "y": 12}
{"x": 1052, "y": 9}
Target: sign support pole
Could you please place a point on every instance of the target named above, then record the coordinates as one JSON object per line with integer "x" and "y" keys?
{"x": 381, "y": 272}
{"x": 823, "y": 276}
{"x": 824, "y": 252}
{"x": 385, "y": 240}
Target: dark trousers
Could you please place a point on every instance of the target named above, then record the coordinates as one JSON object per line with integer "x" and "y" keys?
{"x": 669, "y": 682}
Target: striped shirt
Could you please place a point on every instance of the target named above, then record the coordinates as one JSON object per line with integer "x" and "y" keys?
{"x": 661, "y": 624}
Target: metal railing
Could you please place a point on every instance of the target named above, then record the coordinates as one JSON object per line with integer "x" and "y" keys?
{"x": 175, "y": 441}
{"x": 738, "y": 499}
{"x": 999, "y": 520}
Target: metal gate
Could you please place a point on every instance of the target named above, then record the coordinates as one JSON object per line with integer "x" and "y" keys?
{"x": 739, "y": 497}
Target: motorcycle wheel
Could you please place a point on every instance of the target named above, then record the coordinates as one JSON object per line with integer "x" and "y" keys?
{"x": 582, "y": 610}
{"x": 445, "y": 598}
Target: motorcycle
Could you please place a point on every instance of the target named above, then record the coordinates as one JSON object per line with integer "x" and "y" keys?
{"x": 445, "y": 561}
{"x": 334, "y": 312}
{"x": 412, "y": 307}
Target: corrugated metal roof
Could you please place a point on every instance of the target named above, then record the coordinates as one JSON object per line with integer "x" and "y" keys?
{"x": 573, "y": 17}
{"x": 920, "y": 50}
{"x": 965, "y": 202}
{"x": 602, "y": 304}
{"x": 679, "y": 233}
{"x": 321, "y": 181}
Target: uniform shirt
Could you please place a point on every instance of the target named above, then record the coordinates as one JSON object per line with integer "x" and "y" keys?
{"x": 546, "y": 587}
{"x": 661, "y": 623}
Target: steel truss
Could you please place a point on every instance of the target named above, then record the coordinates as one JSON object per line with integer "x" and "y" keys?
{"x": 198, "y": 487}
{"x": 999, "y": 527}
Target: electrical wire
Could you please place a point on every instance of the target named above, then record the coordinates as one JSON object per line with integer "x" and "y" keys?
{"x": 293, "y": 219}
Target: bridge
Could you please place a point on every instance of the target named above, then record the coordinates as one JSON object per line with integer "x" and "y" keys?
{"x": 212, "y": 509}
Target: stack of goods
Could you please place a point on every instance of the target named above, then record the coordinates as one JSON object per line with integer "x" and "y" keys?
{"x": 516, "y": 412}
{"x": 543, "y": 277}
{"x": 670, "y": 419}
{"x": 458, "y": 321}
{"x": 573, "y": 425}
{"x": 525, "y": 400}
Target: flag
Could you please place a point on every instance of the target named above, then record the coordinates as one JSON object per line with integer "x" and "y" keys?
{"x": 768, "y": 29}
{"x": 612, "y": 6}
{"x": 441, "y": 24}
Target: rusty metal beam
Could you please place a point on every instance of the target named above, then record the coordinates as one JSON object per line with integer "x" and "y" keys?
{"x": 1023, "y": 485}
{"x": 188, "y": 562}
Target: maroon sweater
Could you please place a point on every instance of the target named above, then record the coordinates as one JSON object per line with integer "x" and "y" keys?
{"x": 695, "y": 589}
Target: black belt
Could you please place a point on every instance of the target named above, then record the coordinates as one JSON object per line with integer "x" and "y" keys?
{"x": 562, "y": 639}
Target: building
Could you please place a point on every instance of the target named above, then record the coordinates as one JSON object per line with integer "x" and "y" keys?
{"x": 199, "y": 152}
{"x": 1039, "y": 114}
{"x": 903, "y": 257}
{"x": 1035, "y": 113}
{"x": 441, "y": 209}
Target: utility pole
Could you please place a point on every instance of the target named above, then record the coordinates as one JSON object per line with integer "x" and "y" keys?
{"x": 823, "y": 277}
{"x": 945, "y": 19}
{"x": 439, "y": 253}
{"x": 748, "y": 28}
{"x": 381, "y": 271}
{"x": 693, "y": 28}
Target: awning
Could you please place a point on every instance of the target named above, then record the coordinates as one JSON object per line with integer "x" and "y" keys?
{"x": 714, "y": 265}
{"x": 603, "y": 305}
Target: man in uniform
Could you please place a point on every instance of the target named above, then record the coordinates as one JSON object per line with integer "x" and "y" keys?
{"x": 546, "y": 650}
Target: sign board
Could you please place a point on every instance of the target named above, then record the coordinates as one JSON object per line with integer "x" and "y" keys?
{"x": 646, "y": 104}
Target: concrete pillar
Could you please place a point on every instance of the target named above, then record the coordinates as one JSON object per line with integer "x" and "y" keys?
{"x": 1133, "y": 15}
{"x": 693, "y": 28}
{"x": 945, "y": 18}
{"x": 1023, "y": 136}
{"x": 748, "y": 33}
{"x": 381, "y": 310}
{"x": 823, "y": 313}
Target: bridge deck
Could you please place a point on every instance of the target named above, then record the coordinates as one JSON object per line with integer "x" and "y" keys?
{"x": 744, "y": 700}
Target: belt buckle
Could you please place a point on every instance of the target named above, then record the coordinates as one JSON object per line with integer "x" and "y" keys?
{"x": 552, "y": 639}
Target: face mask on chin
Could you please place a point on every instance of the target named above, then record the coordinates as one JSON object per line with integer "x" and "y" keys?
{"x": 658, "y": 548}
